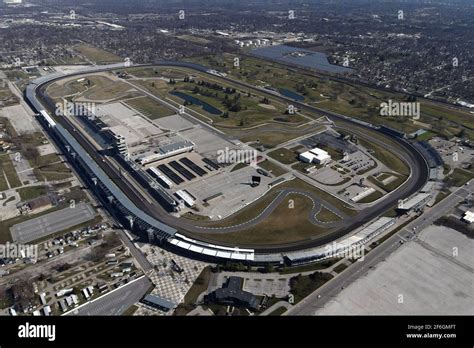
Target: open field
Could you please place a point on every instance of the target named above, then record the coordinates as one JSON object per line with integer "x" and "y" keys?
{"x": 325, "y": 215}
{"x": 50, "y": 167}
{"x": 459, "y": 177}
{"x": 372, "y": 197}
{"x": 346, "y": 98}
{"x": 400, "y": 179}
{"x": 6, "y": 166}
{"x": 284, "y": 156}
{"x": 272, "y": 168}
{"x": 386, "y": 157}
{"x": 282, "y": 226}
{"x": 149, "y": 107}
{"x": 30, "y": 192}
{"x": 97, "y": 55}
{"x": 104, "y": 88}
{"x": 226, "y": 105}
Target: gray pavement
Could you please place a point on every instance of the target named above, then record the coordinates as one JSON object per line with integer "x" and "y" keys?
{"x": 319, "y": 298}
{"x": 116, "y": 302}
{"x": 57, "y": 221}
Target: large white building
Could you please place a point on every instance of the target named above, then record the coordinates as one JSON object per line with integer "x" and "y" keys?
{"x": 468, "y": 217}
{"x": 315, "y": 155}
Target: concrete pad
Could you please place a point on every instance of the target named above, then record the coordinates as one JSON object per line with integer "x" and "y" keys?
{"x": 46, "y": 149}
{"x": 57, "y": 221}
{"x": 424, "y": 275}
{"x": 174, "y": 123}
{"x": 20, "y": 119}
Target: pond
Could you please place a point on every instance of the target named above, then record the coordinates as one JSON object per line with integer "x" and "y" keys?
{"x": 290, "y": 94}
{"x": 195, "y": 101}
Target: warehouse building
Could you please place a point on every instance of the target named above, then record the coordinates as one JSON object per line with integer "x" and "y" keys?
{"x": 415, "y": 203}
{"x": 315, "y": 155}
{"x": 232, "y": 294}
{"x": 158, "y": 303}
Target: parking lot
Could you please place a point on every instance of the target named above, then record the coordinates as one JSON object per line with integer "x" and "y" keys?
{"x": 234, "y": 188}
{"x": 453, "y": 154}
{"x": 45, "y": 225}
{"x": 409, "y": 282}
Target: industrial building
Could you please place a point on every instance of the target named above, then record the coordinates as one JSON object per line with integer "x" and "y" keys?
{"x": 315, "y": 155}
{"x": 158, "y": 303}
{"x": 414, "y": 203}
{"x": 468, "y": 217}
{"x": 167, "y": 146}
{"x": 232, "y": 294}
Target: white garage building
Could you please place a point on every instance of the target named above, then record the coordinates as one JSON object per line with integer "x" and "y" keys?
{"x": 315, "y": 155}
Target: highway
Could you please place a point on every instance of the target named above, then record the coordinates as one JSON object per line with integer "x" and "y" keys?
{"x": 310, "y": 304}
{"x": 412, "y": 157}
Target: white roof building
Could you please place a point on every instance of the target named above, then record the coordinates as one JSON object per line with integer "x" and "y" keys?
{"x": 307, "y": 157}
{"x": 468, "y": 217}
{"x": 315, "y": 155}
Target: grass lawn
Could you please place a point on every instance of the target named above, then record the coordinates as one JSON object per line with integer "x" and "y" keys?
{"x": 337, "y": 203}
{"x": 325, "y": 215}
{"x": 30, "y": 192}
{"x": 6, "y": 166}
{"x": 199, "y": 286}
{"x": 3, "y": 181}
{"x": 283, "y": 225}
{"x": 104, "y": 88}
{"x": 149, "y": 107}
{"x": 284, "y": 156}
{"x": 315, "y": 266}
{"x": 339, "y": 268}
{"x": 372, "y": 197}
{"x": 393, "y": 185}
{"x": 302, "y": 286}
{"x": 96, "y": 54}
{"x": 272, "y": 168}
{"x": 386, "y": 157}
{"x": 50, "y": 168}
{"x": 459, "y": 177}
{"x": 238, "y": 166}
{"x": 270, "y": 139}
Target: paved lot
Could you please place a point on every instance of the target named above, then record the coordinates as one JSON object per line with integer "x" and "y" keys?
{"x": 20, "y": 120}
{"x": 45, "y": 225}
{"x": 9, "y": 209}
{"x": 170, "y": 284}
{"x": 267, "y": 286}
{"x": 46, "y": 149}
{"x": 235, "y": 188}
{"x": 423, "y": 274}
{"x": 206, "y": 142}
{"x": 23, "y": 169}
{"x": 174, "y": 123}
{"x": 116, "y": 302}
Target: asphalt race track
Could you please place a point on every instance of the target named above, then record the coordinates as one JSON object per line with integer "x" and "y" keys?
{"x": 411, "y": 156}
